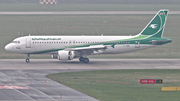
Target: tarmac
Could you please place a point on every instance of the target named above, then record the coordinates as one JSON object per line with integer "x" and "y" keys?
{"x": 93, "y": 64}
{"x": 32, "y": 85}
{"x": 26, "y": 81}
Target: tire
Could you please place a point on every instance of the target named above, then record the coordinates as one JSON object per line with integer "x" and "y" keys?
{"x": 86, "y": 60}
{"x": 81, "y": 59}
{"x": 27, "y": 60}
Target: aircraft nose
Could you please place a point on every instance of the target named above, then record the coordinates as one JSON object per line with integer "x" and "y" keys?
{"x": 7, "y": 48}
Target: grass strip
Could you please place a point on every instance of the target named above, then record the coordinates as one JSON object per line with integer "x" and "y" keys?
{"x": 122, "y": 85}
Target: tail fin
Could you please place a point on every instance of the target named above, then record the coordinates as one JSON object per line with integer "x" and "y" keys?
{"x": 156, "y": 26}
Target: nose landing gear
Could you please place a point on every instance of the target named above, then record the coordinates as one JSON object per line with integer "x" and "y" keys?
{"x": 27, "y": 60}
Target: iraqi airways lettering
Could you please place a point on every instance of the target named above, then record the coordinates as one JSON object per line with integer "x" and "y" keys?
{"x": 46, "y": 38}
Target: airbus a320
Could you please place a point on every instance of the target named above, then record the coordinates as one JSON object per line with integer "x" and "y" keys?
{"x": 70, "y": 47}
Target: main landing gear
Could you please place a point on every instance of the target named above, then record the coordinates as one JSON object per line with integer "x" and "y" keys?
{"x": 85, "y": 60}
{"x": 27, "y": 60}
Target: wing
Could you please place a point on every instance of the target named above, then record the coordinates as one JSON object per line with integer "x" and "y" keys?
{"x": 90, "y": 50}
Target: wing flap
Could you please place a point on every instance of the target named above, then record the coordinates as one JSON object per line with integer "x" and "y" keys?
{"x": 94, "y": 47}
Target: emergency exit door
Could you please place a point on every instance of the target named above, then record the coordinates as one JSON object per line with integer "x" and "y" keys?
{"x": 28, "y": 43}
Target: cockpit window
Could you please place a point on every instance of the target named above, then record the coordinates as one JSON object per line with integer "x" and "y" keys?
{"x": 17, "y": 42}
{"x": 14, "y": 42}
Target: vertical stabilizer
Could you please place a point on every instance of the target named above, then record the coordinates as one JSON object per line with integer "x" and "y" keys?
{"x": 156, "y": 26}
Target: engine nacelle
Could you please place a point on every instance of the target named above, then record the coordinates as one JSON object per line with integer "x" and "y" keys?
{"x": 66, "y": 55}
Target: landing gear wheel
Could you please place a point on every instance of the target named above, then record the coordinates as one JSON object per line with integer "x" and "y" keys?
{"x": 27, "y": 60}
{"x": 86, "y": 60}
{"x": 81, "y": 59}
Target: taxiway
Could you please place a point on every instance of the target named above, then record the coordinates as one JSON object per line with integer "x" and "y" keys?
{"x": 93, "y": 64}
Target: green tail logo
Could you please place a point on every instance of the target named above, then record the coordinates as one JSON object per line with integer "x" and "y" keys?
{"x": 155, "y": 27}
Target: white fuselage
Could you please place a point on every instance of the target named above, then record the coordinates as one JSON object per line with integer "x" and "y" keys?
{"x": 33, "y": 44}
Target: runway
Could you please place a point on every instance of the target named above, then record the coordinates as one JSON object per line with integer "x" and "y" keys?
{"x": 83, "y": 12}
{"x": 27, "y": 81}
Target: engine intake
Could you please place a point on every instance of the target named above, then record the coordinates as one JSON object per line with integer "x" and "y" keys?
{"x": 66, "y": 55}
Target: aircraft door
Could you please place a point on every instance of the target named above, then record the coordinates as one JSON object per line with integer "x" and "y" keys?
{"x": 28, "y": 43}
{"x": 137, "y": 44}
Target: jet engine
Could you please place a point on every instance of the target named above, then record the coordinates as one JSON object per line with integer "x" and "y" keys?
{"x": 66, "y": 55}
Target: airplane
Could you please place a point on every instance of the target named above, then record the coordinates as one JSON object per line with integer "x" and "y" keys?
{"x": 70, "y": 47}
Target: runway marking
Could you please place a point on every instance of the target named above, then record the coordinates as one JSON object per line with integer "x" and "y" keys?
{"x": 13, "y": 87}
{"x": 25, "y": 95}
{"x": 43, "y": 93}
